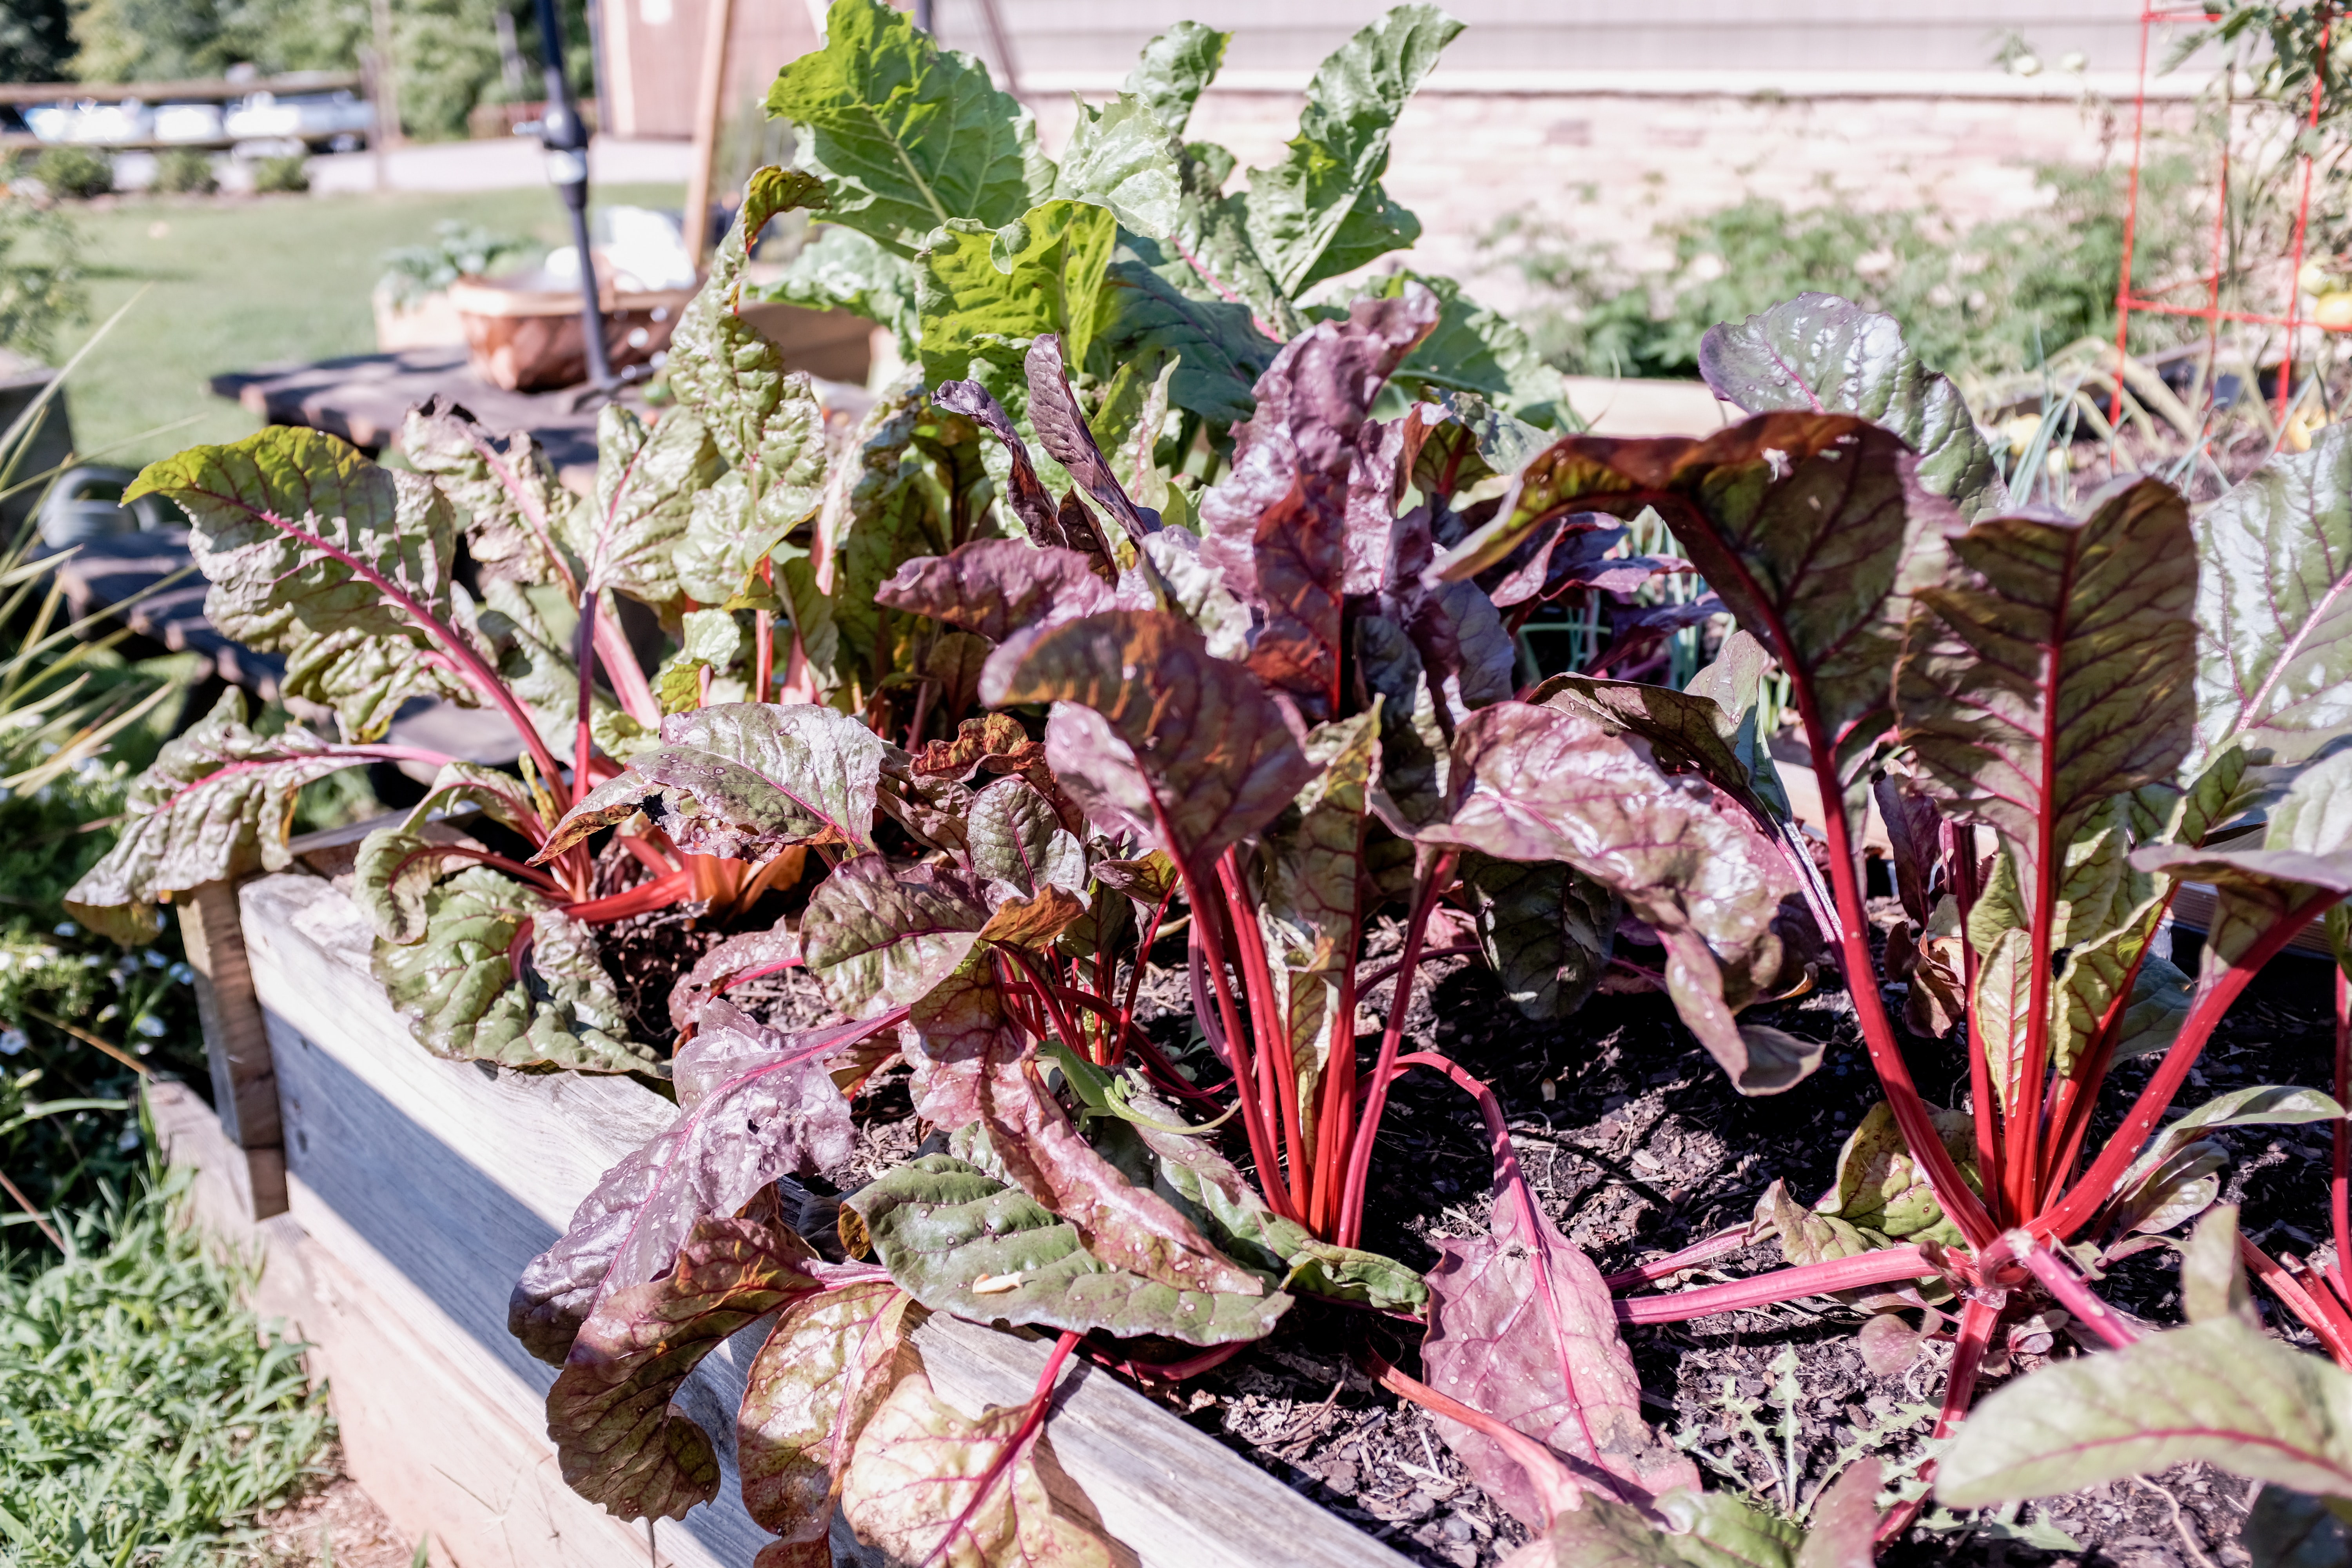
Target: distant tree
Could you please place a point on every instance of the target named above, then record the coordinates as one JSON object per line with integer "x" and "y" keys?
{"x": 35, "y": 40}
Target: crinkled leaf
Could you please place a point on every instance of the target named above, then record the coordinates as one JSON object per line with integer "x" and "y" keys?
{"x": 616, "y": 1437}
{"x": 1062, "y": 430}
{"x": 2305, "y": 855}
{"x": 1688, "y": 732}
{"x": 1825, "y": 355}
{"x": 2050, "y": 670}
{"x": 739, "y": 957}
{"x": 942, "y": 1225}
{"x": 2217, "y": 1392}
{"x": 819, "y": 1376}
{"x": 306, "y": 542}
{"x": 917, "y": 1469}
{"x": 1277, "y": 525}
{"x": 1547, "y": 929}
{"x": 745, "y": 779}
{"x": 391, "y": 875}
{"x": 1537, "y": 783}
{"x": 1179, "y": 580}
{"x": 1880, "y": 1188}
{"x": 506, "y": 486}
{"x": 772, "y": 1112}
{"x": 1299, "y": 208}
{"x": 1121, "y": 157}
{"x": 1182, "y": 741}
{"x": 1221, "y": 350}
{"x": 2275, "y": 606}
{"x": 217, "y": 802}
{"x": 1809, "y": 1235}
{"x": 875, "y": 940}
{"x": 626, "y": 532}
{"x": 906, "y": 134}
{"x": 1015, "y": 836}
{"x": 998, "y": 586}
{"x": 1175, "y": 69}
{"x": 842, "y": 270}
{"x": 984, "y": 293}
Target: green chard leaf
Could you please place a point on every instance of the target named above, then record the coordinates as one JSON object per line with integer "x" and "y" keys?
{"x": 626, "y": 534}
{"x": 1822, "y": 355}
{"x": 1478, "y": 351}
{"x": 2288, "y": 1529}
{"x": 316, "y": 552}
{"x": 983, "y": 294}
{"x": 962, "y": 1241}
{"x": 1122, "y": 157}
{"x": 2305, "y": 857}
{"x": 506, "y": 486}
{"x": 908, "y": 135}
{"x": 1320, "y": 211}
{"x": 1703, "y": 1530}
{"x": 1175, "y": 69}
{"x": 842, "y": 270}
{"x": 2217, "y": 1392}
{"x": 217, "y": 802}
{"x": 1161, "y": 306}
{"x": 458, "y": 988}
{"x": 1881, "y": 1188}
{"x": 1547, "y": 929}
{"x": 2275, "y": 607}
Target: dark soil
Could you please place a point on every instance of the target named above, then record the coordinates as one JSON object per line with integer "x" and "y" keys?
{"x": 1638, "y": 1146}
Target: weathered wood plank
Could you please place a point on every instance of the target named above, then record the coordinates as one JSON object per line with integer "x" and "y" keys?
{"x": 441, "y": 1179}
{"x": 236, "y": 1048}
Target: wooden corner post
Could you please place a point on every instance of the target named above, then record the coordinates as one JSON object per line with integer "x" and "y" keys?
{"x": 244, "y": 1083}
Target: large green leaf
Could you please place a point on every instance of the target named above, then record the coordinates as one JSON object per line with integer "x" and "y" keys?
{"x": 1161, "y": 307}
{"x": 2217, "y": 1392}
{"x": 2275, "y": 606}
{"x": 842, "y": 270}
{"x": 908, "y": 135}
{"x": 506, "y": 486}
{"x": 765, "y": 419}
{"x": 2050, "y": 671}
{"x": 745, "y": 779}
{"x": 1122, "y": 157}
{"x": 2305, "y": 855}
{"x": 1535, "y": 783}
{"x": 1547, "y": 930}
{"x": 458, "y": 990}
{"x": 217, "y": 802}
{"x": 1152, "y": 731}
{"x": 1299, "y": 208}
{"x": 626, "y": 534}
{"x": 960, "y": 1241}
{"x": 617, "y": 1437}
{"x": 1473, "y": 349}
{"x": 316, "y": 552}
{"x": 983, "y": 294}
{"x": 1175, "y": 69}
{"x": 1828, "y": 355}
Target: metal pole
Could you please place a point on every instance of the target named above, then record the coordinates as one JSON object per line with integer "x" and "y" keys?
{"x": 566, "y": 141}
{"x": 923, "y": 15}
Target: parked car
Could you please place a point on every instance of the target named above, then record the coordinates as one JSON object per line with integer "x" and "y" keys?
{"x": 315, "y": 118}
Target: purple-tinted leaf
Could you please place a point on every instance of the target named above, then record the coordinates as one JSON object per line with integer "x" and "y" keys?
{"x": 1085, "y": 536}
{"x": 875, "y": 939}
{"x": 2275, "y": 606}
{"x": 943, "y": 1227}
{"x": 1538, "y": 783}
{"x": 1375, "y": 474}
{"x": 2051, "y": 670}
{"x": 745, "y": 779}
{"x": 1062, "y": 430}
{"x": 1029, "y": 502}
{"x": 1688, "y": 732}
{"x": 1277, "y": 526}
{"x": 215, "y": 804}
{"x": 777, "y": 1114}
{"x": 1845, "y": 1519}
{"x": 1017, "y": 836}
{"x": 998, "y": 586}
{"x": 816, "y": 1380}
{"x": 917, "y": 1469}
{"x": 616, "y": 1437}
{"x": 1820, "y": 353}
{"x": 1570, "y": 552}
{"x": 1179, "y": 742}
{"x": 2217, "y": 1392}
{"x": 737, "y": 958}
{"x": 1522, "y": 1328}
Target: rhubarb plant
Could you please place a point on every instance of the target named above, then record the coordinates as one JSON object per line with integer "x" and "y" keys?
{"x": 1265, "y": 721}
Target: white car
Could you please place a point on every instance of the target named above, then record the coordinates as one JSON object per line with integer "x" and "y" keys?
{"x": 309, "y": 116}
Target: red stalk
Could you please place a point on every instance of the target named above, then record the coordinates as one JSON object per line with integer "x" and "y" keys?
{"x": 1209, "y": 956}
{"x": 583, "y": 652}
{"x": 1278, "y": 1070}
{"x": 2329, "y": 1325}
{"x": 1721, "y": 1243}
{"x": 1428, "y": 879}
{"x": 2214, "y": 999}
{"x": 1883, "y": 1266}
{"x": 2340, "y": 1163}
{"x": 645, "y": 854}
{"x": 763, "y": 639}
{"x": 629, "y": 683}
{"x": 659, "y": 894}
{"x": 1178, "y": 1370}
{"x": 1961, "y": 854}
{"x": 2070, "y": 1290}
{"x": 1557, "y": 1487}
{"x": 1014, "y": 1446}
{"x": 531, "y": 875}
{"x": 1978, "y": 1315}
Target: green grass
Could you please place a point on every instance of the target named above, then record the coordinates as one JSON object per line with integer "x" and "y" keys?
{"x": 237, "y": 284}
{"x": 143, "y": 1419}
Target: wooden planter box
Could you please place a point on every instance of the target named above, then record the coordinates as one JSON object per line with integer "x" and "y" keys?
{"x": 414, "y": 1190}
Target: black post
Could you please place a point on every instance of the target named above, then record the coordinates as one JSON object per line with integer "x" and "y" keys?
{"x": 566, "y": 141}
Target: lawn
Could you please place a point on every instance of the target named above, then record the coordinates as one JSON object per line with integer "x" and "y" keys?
{"x": 236, "y": 283}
